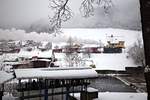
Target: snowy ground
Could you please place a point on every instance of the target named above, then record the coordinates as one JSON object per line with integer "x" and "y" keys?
{"x": 122, "y": 96}
{"x": 117, "y": 96}
{"x": 112, "y": 61}
{"x": 105, "y": 61}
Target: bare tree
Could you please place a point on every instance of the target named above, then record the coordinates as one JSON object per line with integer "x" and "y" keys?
{"x": 2, "y": 59}
{"x": 87, "y": 53}
{"x": 137, "y": 53}
{"x": 73, "y": 59}
{"x": 62, "y": 11}
{"x": 71, "y": 55}
{"x": 48, "y": 46}
{"x": 68, "y": 52}
{"x": 87, "y": 6}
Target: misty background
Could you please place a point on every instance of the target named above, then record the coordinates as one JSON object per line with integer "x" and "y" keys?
{"x": 32, "y": 15}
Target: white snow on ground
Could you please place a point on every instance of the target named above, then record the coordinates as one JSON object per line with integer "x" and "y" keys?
{"x": 117, "y": 96}
{"x": 112, "y": 61}
{"x": 116, "y": 61}
{"x": 122, "y": 96}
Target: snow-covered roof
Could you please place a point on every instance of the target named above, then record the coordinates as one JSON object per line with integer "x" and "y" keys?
{"x": 46, "y": 60}
{"x": 90, "y": 89}
{"x": 4, "y": 77}
{"x": 56, "y": 73}
{"x": 38, "y": 53}
{"x": 11, "y": 63}
{"x": 9, "y": 57}
{"x": 90, "y": 45}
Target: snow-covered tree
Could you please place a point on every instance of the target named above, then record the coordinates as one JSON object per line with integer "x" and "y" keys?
{"x": 71, "y": 56}
{"x": 48, "y": 45}
{"x": 136, "y": 52}
{"x": 87, "y": 53}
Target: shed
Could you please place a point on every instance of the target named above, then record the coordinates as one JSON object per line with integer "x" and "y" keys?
{"x": 67, "y": 80}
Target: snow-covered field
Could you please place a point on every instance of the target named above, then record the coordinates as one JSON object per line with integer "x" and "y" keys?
{"x": 112, "y": 61}
{"x": 116, "y": 61}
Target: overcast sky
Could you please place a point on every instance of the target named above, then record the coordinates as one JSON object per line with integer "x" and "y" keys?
{"x": 26, "y": 13}
{"x": 19, "y": 12}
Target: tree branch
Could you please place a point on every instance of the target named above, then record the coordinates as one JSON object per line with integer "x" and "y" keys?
{"x": 87, "y": 6}
{"x": 62, "y": 13}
